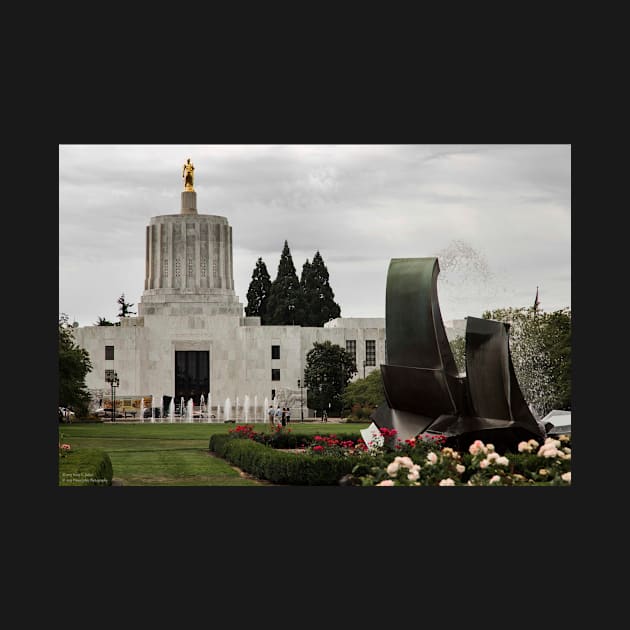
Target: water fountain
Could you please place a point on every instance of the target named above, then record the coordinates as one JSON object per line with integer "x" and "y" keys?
{"x": 227, "y": 410}
{"x": 236, "y": 407}
{"x": 161, "y": 407}
{"x": 182, "y": 412}
{"x": 142, "y": 409}
{"x": 218, "y": 413}
{"x": 152, "y": 408}
{"x": 265, "y": 415}
{"x": 189, "y": 410}
{"x": 246, "y": 409}
{"x": 171, "y": 410}
{"x": 209, "y": 407}
{"x": 202, "y": 401}
{"x": 255, "y": 417}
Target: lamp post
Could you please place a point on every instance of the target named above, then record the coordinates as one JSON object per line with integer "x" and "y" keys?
{"x": 291, "y": 308}
{"x": 301, "y": 401}
{"x": 112, "y": 379}
{"x": 363, "y": 368}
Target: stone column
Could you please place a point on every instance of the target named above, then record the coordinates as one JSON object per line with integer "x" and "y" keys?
{"x": 189, "y": 202}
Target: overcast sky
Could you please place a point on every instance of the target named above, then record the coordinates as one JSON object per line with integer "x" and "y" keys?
{"x": 497, "y": 216}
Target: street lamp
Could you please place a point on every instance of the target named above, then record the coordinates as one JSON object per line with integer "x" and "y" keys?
{"x": 291, "y": 307}
{"x": 301, "y": 401}
{"x": 363, "y": 368}
{"x": 112, "y": 379}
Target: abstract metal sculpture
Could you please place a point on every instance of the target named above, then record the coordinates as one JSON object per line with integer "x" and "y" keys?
{"x": 423, "y": 389}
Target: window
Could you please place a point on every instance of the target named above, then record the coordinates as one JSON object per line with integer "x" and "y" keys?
{"x": 351, "y": 347}
{"x": 165, "y": 267}
{"x": 190, "y": 268}
{"x": 273, "y": 394}
{"x": 275, "y": 375}
{"x": 109, "y": 353}
{"x": 109, "y": 376}
{"x": 275, "y": 352}
{"x": 370, "y": 352}
{"x": 203, "y": 268}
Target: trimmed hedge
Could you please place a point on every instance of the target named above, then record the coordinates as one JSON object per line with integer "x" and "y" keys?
{"x": 265, "y": 462}
{"x": 86, "y": 467}
{"x": 282, "y": 439}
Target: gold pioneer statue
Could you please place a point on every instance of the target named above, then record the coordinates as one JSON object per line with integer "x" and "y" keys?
{"x": 187, "y": 174}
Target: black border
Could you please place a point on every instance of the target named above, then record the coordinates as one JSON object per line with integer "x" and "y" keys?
{"x": 433, "y": 522}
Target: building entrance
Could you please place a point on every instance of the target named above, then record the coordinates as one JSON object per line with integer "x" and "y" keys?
{"x": 192, "y": 375}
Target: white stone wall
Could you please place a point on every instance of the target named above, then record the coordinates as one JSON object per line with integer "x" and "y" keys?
{"x": 240, "y": 355}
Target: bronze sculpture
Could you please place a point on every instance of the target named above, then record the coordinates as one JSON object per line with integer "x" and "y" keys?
{"x": 423, "y": 389}
{"x": 188, "y": 175}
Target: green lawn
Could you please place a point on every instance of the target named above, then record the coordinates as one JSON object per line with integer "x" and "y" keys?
{"x": 173, "y": 454}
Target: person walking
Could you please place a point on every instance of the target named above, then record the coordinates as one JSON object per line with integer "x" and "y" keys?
{"x": 279, "y": 413}
{"x": 288, "y": 415}
{"x": 283, "y": 418}
{"x": 324, "y": 416}
{"x": 270, "y": 413}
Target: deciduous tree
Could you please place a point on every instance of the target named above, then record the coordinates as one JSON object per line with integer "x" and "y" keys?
{"x": 74, "y": 365}
{"x": 328, "y": 370}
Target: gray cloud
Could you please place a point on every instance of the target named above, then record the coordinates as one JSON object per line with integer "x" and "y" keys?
{"x": 359, "y": 205}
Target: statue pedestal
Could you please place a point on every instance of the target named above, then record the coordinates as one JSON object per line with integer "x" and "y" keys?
{"x": 189, "y": 202}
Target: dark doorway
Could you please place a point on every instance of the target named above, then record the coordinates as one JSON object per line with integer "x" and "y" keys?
{"x": 192, "y": 375}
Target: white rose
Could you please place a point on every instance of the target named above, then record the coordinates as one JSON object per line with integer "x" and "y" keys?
{"x": 460, "y": 468}
{"x": 392, "y": 469}
{"x": 524, "y": 447}
{"x": 495, "y": 479}
{"x": 567, "y": 476}
{"x": 386, "y": 482}
{"x": 484, "y": 463}
{"x": 503, "y": 461}
{"x": 432, "y": 458}
{"x": 447, "y": 482}
{"x": 413, "y": 475}
{"x": 406, "y": 461}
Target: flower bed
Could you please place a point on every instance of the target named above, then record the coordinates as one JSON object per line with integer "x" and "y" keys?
{"x": 423, "y": 461}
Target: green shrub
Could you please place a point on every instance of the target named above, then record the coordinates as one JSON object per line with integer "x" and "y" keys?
{"x": 265, "y": 462}
{"x": 360, "y": 414}
{"x": 85, "y": 467}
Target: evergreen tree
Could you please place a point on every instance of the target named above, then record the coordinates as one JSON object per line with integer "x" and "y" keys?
{"x": 258, "y": 292}
{"x": 309, "y": 291}
{"x": 319, "y": 299}
{"x": 74, "y": 365}
{"x": 285, "y": 304}
{"x": 102, "y": 321}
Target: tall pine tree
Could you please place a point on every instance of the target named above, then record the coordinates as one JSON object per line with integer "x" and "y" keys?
{"x": 258, "y": 292}
{"x": 319, "y": 299}
{"x": 285, "y": 304}
{"x": 308, "y": 291}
